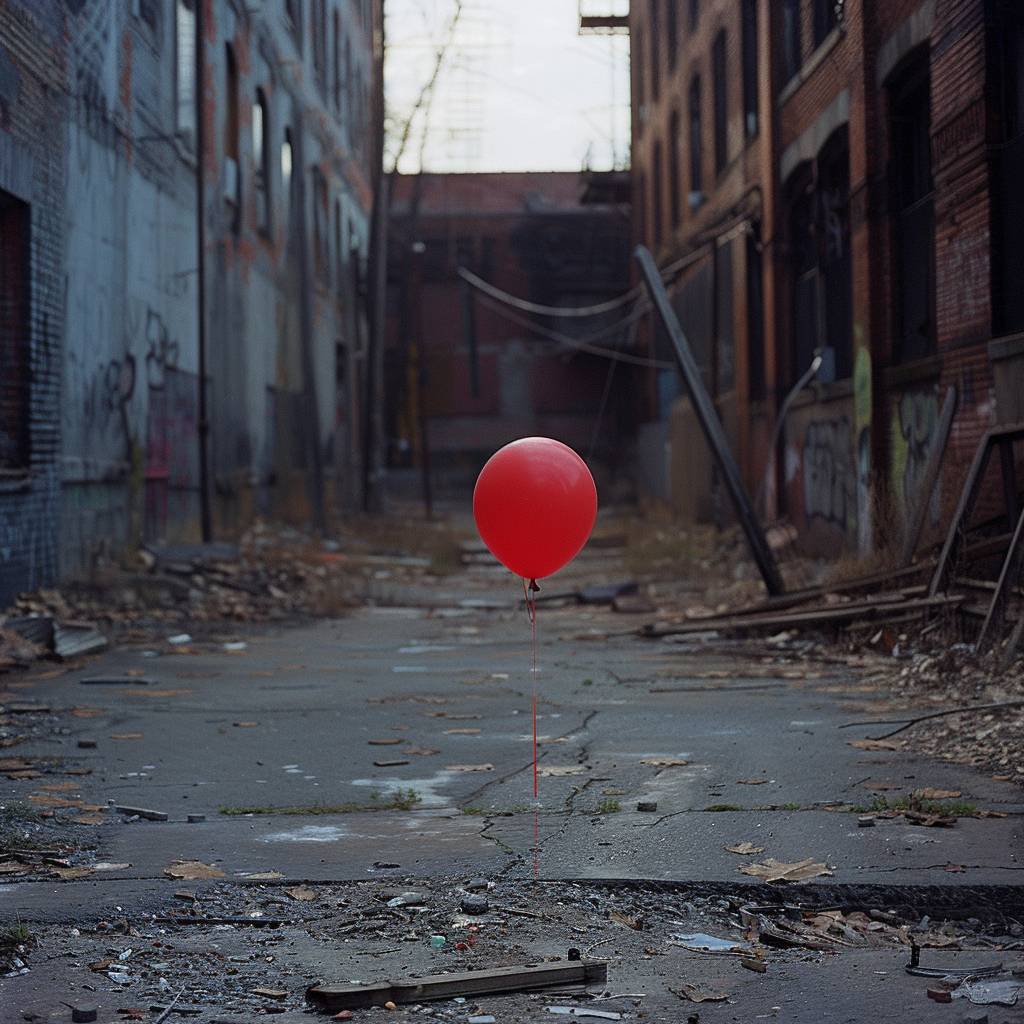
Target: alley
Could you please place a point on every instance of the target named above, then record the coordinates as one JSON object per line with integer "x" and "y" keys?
{"x": 334, "y": 765}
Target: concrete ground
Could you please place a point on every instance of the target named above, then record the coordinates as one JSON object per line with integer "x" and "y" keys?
{"x": 284, "y": 746}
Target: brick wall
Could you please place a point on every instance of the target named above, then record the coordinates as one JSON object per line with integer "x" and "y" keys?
{"x": 32, "y": 171}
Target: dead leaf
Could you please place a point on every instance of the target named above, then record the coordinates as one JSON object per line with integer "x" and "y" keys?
{"x": 696, "y": 995}
{"x": 88, "y": 819}
{"x": 59, "y": 787}
{"x": 87, "y": 712}
{"x": 140, "y": 691}
{"x": 926, "y": 820}
{"x": 752, "y": 782}
{"x": 126, "y": 735}
{"x": 463, "y": 732}
{"x": 245, "y": 725}
{"x": 53, "y": 801}
{"x": 192, "y": 870}
{"x": 629, "y": 922}
{"x": 107, "y": 866}
{"x": 663, "y": 762}
{"x": 68, "y": 874}
{"x": 261, "y": 876}
{"x": 956, "y": 869}
{"x": 558, "y": 770}
{"x": 935, "y": 794}
{"x": 421, "y": 751}
{"x": 773, "y": 870}
{"x": 302, "y": 893}
{"x": 469, "y": 768}
{"x": 744, "y": 848}
{"x": 874, "y": 744}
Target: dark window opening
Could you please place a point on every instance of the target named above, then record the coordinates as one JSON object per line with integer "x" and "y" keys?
{"x": 755, "y": 318}
{"x": 319, "y": 31}
{"x": 293, "y": 13}
{"x": 720, "y": 113}
{"x": 748, "y": 19}
{"x": 820, "y": 266}
{"x": 261, "y": 160}
{"x": 791, "y": 56}
{"x": 321, "y": 256}
{"x": 15, "y": 378}
{"x": 694, "y": 13}
{"x": 336, "y": 63}
{"x": 636, "y": 57}
{"x": 658, "y": 213}
{"x": 641, "y": 201}
{"x": 696, "y": 156}
{"x": 674, "y": 197}
{"x": 339, "y": 256}
{"x": 232, "y": 171}
{"x": 671, "y": 31}
{"x": 1008, "y": 168}
{"x": 655, "y": 36}
{"x": 826, "y": 17}
{"x": 913, "y": 212}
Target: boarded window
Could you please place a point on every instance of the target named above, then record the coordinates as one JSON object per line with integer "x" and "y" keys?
{"x": 721, "y": 106}
{"x": 185, "y": 68}
{"x": 15, "y": 379}
{"x": 913, "y": 212}
{"x": 748, "y": 26}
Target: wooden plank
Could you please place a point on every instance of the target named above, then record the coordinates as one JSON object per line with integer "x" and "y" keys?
{"x": 875, "y": 610}
{"x": 468, "y": 983}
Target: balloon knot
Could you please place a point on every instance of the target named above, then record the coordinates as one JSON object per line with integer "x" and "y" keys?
{"x": 534, "y": 587}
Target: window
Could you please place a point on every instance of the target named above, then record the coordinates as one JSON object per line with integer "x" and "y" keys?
{"x": 755, "y": 317}
{"x": 791, "y": 56}
{"x": 319, "y": 30}
{"x": 321, "y": 256}
{"x": 913, "y": 212}
{"x": 655, "y": 34}
{"x": 671, "y": 31}
{"x": 636, "y": 57}
{"x": 293, "y": 13}
{"x": 674, "y": 197}
{"x": 339, "y": 256}
{"x": 185, "y": 68}
{"x": 719, "y": 86}
{"x": 696, "y": 154}
{"x": 1008, "y": 169}
{"x": 658, "y": 212}
{"x": 819, "y": 251}
{"x": 286, "y": 168}
{"x": 336, "y": 62}
{"x": 826, "y": 17}
{"x": 15, "y": 380}
{"x": 349, "y": 98}
{"x": 694, "y": 13}
{"x": 748, "y": 19}
{"x": 261, "y": 160}
{"x": 232, "y": 186}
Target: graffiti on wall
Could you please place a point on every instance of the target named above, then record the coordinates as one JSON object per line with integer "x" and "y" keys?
{"x": 917, "y": 414}
{"x": 829, "y": 473}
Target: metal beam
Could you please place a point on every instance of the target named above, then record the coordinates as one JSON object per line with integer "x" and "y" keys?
{"x": 707, "y": 416}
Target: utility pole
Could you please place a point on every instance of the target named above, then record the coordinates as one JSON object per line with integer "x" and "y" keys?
{"x": 205, "y": 524}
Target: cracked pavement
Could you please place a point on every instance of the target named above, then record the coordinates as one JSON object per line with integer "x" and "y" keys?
{"x": 284, "y": 748}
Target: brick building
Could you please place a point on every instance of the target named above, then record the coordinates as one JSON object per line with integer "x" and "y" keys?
{"x": 110, "y": 120}
{"x": 472, "y": 372}
{"x": 839, "y": 177}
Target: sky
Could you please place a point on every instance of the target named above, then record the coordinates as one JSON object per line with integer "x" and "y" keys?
{"x": 519, "y": 88}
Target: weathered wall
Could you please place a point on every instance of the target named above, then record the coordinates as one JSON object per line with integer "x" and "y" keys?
{"x": 32, "y": 173}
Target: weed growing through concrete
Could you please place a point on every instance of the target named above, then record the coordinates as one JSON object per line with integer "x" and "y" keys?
{"x": 608, "y": 806}
{"x": 400, "y": 800}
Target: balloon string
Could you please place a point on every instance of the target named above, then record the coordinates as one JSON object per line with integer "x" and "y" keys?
{"x": 531, "y": 608}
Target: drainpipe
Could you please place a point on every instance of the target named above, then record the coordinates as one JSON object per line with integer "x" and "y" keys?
{"x": 204, "y": 424}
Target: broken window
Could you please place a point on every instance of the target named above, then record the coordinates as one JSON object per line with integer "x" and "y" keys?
{"x": 185, "y": 68}
{"x": 826, "y": 17}
{"x": 15, "y": 380}
{"x": 748, "y": 26}
{"x": 673, "y": 170}
{"x": 261, "y": 160}
{"x": 658, "y": 212}
{"x": 913, "y": 211}
{"x": 819, "y": 252}
{"x": 1008, "y": 169}
{"x": 790, "y": 27}
{"x": 696, "y": 155}
{"x": 721, "y": 112}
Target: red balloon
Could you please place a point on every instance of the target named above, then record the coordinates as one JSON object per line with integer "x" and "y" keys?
{"x": 535, "y": 504}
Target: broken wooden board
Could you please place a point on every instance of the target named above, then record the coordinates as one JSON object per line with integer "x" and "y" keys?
{"x": 469, "y": 983}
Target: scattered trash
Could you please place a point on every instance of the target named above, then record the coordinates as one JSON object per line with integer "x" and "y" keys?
{"x": 701, "y": 942}
{"x": 482, "y": 1018}
{"x": 194, "y": 819}
{"x": 437, "y": 941}
{"x": 179, "y": 639}
{"x": 773, "y": 870}
{"x": 475, "y": 904}
{"x": 141, "y": 812}
{"x": 407, "y": 899}
{"x": 987, "y": 992}
{"x": 555, "y": 771}
{"x": 469, "y": 768}
{"x": 696, "y": 995}
{"x": 664, "y": 762}
{"x": 393, "y": 763}
{"x": 235, "y": 645}
{"x": 634, "y": 923}
{"x": 751, "y": 964}
{"x": 192, "y": 870}
{"x": 584, "y": 1011}
{"x": 647, "y": 806}
{"x": 271, "y": 993}
{"x": 302, "y": 893}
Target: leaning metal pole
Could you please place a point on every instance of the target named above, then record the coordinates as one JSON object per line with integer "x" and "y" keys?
{"x": 707, "y": 416}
